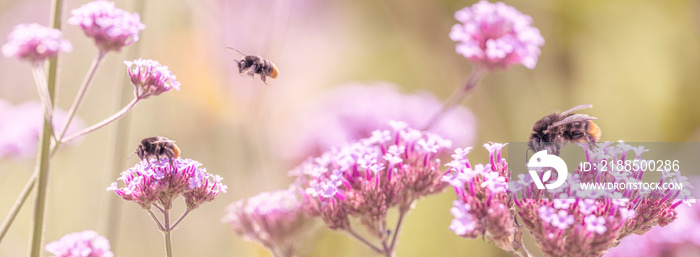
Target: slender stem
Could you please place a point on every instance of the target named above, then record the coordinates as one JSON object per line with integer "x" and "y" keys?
{"x": 17, "y": 206}
{"x": 43, "y": 158}
{"x": 363, "y": 240}
{"x": 81, "y": 93}
{"x": 458, "y": 96}
{"x": 155, "y": 219}
{"x": 42, "y": 88}
{"x": 397, "y": 229}
{"x": 166, "y": 233}
{"x": 42, "y": 168}
{"x": 160, "y": 209}
{"x": 102, "y": 123}
{"x": 168, "y": 244}
{"x": 180, "y": 219}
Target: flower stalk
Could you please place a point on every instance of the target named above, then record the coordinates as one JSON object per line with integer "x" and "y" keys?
{"x": 42, "y": 88}
{"x": 79, "y": 97}
{"x": 154, "y": 184}
{"x": 459, "y": 95}
{"x": 103, "y": 123}
{"x": 18, "y": 205}
{"x": 43, "y": 158}
{"x": 365, "y": 179}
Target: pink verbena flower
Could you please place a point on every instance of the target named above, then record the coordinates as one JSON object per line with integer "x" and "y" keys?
{"x": 111, "y": 28}
{"x": 679, "y": 238}
{"x": 496, "y": 36}
{"x": 35, "y": 43}
{"x": 353, "y": 111}
{"x": 275, "y": 219}
{"x": 146, "y": 184}
{"x": 484, "y": 189}
{"x": 21, "y": 127}
{"x": 364, "y": 179}
{"x": 594, "y": 220}
{"x": 81, "y": 244}
{"x": 149, "y": 77}
{"x": 463, "y": 223}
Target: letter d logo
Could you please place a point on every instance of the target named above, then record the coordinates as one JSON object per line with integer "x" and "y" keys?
{"x": 543, "y": 160}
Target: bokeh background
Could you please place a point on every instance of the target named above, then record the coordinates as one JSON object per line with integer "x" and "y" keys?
{"x": 637, "y": 62}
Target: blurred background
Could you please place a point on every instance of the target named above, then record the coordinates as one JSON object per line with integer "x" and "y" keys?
{"x": 636, "y": 61}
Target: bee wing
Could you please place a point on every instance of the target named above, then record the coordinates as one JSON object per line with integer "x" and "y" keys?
{"x": 239, "y": 55}
{"x": 576, "y": 108}
{"x": 573, "y": 118}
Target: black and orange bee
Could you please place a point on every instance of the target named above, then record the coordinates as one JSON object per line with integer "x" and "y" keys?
{"x": 157, "y": 147}
{"x": 557, "y": 128}
{"x": 255, "y": 64}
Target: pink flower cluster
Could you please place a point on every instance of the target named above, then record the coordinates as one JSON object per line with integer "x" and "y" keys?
{"x": 567, "y": 221}
{"x": 496, "y": 36}
{"x": 275, "y": 219}
{"x": 680, "y": 238}
{"x": 81, "y": 244}
{"x": 150, "y": 78}
{"x": 573, "y": 219}
{"x": 483, "y": 205}
{"x": 21, "y": 126}
{"x": 146, "y": 184}
{"x": 392, "y": 168}
{"x": 34, "y": 42}
{"x": 111, "y": 28}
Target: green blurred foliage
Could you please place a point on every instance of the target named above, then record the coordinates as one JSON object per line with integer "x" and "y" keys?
{"x": 635, "y": 61}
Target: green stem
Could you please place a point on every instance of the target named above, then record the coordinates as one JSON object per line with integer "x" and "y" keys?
{"x": 44, "y": 155}
{"x": 42, "y": 168}
{"x": 397, "y": 229}
{"x": 166, "y": 233}
{"x": 42, "y": 89}
{"x": 102, "y": 123}
{"x": 363, "y": 240}
{"x": 168, "y": 244}
{"x": 17, "y": 206}
{"x": 81, "y": 95}
{"x": 458, "y": 96}
{"x": 155, "y": 219}
{"x": 187, "y": 211}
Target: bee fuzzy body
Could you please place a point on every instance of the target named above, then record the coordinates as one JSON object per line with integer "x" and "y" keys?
{"x": 557, "y": 128}
{"x": 255, "y": 64}
{"x": 157, "y": 147}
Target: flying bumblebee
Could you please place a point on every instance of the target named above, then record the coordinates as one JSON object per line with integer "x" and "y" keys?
{"x": 551, "y": 131}
{"x": 157, "y": 147}
{"x": 255, "y": 64}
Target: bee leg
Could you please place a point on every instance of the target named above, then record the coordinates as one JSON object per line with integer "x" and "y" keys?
{"x": 263, "y": 79}
{"x": 159, "y": 151}
{"x": 171, "y": 161}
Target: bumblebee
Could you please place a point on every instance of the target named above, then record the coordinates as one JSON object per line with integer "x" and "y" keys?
{"x": 157, "y": 147}
{"x": 255, "y": 64}
{"x": 550, "y": 132}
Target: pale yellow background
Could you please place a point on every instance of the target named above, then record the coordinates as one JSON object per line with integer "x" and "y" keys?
{"x": 635, "y": 61}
